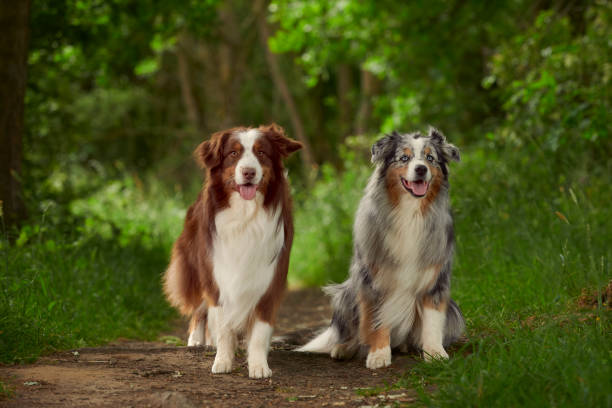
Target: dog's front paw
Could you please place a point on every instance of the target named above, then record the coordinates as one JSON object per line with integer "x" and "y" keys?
{"x": 431, "y": 353}
{"x": 221, "y": 365}
{"x": 379, "y": 358}
{"x": 259, "y": 370}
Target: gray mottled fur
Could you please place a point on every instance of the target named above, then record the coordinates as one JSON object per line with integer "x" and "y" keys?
{"x": 374, "y": 220}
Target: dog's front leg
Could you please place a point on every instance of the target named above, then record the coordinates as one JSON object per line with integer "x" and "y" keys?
{"x": 225, "y": 339}
{"x": 378, "y": 337}
{"x": 259, "y": 344}
{"x": 432, "y": 332}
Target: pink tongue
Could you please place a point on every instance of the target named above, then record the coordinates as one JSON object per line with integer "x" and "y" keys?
{"x": 247, "y": 192}
{"x": 418, "y": 188}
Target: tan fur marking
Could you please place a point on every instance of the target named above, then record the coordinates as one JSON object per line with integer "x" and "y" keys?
{"x": 376, "y": 338}
{"x": 434, "y": 188}
{"x": 408, "y": 152}
{"x": 427, "y": 150}
{"x": 394, "y": 185}
{"x": 197, "y": 317}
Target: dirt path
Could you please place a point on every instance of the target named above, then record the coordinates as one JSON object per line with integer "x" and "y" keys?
{"x": 143, "y": 374}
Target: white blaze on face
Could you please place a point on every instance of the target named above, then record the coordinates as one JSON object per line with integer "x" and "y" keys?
{"x": 248, "y": 160}
{"x": 419, "y": 159}
{"x": 413, "y": 181}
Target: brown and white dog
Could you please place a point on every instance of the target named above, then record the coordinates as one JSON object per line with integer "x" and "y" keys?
{"x": 229, "y": 266}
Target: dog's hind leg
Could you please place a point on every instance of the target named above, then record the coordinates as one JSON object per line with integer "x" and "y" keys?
{"x": 455, "y": 324}
{"x": 197, "y": 326}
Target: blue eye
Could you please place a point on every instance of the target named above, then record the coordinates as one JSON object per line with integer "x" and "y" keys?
{"x": 430, "y": 158}
{"x": 404, "y": 158}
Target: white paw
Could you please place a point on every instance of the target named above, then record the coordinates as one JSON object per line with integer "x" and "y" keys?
{"x": 221, "y": 365}
{"x": 379, "y": 358}
{"x": 192, "y": 342}
{"x": 434, "y": 353}
{"x": 196, "y": 337}
{"x": 259, "y": 370}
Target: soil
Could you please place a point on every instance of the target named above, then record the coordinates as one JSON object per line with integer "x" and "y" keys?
{"x": 153, "y": 374}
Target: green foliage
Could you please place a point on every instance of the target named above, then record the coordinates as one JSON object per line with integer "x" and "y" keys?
{"x": 555, "y": 83}
{"x": 429, "y": 55}
{"x": 323, "y": 223}
{"x": 91, "y": 281}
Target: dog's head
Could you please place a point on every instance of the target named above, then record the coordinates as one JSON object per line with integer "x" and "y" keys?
{"x": 413, "y": 163}
{"x": 246, "y": 160}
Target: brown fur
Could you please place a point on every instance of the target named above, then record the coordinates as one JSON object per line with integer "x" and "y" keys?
{"x": 433, "y": 190}
{"x": 395, "y": 189}
{"x": 191, "y": 251}
{"x": 375, "y": 337}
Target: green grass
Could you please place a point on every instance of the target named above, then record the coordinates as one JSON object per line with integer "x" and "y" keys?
{"x": 85, "y": 283}
{"x": 531, "y": 235}
{"x": 528, "y": 241}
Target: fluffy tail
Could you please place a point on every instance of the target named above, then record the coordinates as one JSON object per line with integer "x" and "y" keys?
{"x": 454, "y": 324}
{"x": 182, "y": 286}
{"x": 323, "y": 343}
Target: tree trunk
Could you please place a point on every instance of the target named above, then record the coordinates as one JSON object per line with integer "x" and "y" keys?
{"x": 369, "y": 88}
{"x": 345, "y": 86}
{"x": 187, "y": 92}
{"x": 283, "y": 88}
{"x": 14, "y": 37}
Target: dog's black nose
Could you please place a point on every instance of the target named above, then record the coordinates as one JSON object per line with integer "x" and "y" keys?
{"x": 248, "y": 173}
{"x": 420, "y": 170}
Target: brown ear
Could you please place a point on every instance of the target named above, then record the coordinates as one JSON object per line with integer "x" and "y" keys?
{"x": 283, "y": 144}
{"x": 210, "y": 152}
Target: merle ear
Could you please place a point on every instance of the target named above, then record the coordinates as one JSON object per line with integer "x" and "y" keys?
{"x": 283, "y": 144}
{"x": 383, "y": 147}
{"x": 209, "y": 153}
{"x": 449, "y": 151}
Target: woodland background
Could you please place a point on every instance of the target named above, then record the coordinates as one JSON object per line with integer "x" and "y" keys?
{"x": 102, "y": 103}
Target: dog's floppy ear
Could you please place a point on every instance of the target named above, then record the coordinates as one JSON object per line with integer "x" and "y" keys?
{"x": 210, "y": 152}
{"x": 283, "y": 144}
{"x": 449, "y": 151}
{"x": 383, "y": 147}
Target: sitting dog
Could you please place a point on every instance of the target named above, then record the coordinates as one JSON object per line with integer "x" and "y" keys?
{"x": 398, "y": 291}
{"x": 229, "y": 266}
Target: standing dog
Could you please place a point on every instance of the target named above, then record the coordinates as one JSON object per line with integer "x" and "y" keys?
{"x": 229, "y": 266}
{"x": 398, "y": 291}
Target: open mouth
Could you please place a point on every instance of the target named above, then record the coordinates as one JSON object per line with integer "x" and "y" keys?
{"x": 247, "y": 191}
{"x": 417, "y": 188}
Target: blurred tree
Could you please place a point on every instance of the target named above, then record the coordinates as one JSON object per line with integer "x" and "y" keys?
{"x": 14, "y": 35}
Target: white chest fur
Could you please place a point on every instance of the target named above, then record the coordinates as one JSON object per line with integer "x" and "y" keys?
{"x": 405, "y": 281}
{"x": 245, "y": 253}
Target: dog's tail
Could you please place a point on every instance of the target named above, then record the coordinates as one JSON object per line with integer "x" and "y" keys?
{"x": 323, "y": 343}
{"x": 455, "y": 324}
{"x": 182, "y": 285}
{"x": 328, "y": 338}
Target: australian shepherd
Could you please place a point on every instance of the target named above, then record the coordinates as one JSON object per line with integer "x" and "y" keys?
{"x": 229, "y": 266}
{"x": 398, "y": 291}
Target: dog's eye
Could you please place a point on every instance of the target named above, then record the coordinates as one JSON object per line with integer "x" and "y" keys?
{"x": 260, "y": 153}
{"x": 404, "y": 158}
{"x": 430, "y": 158}
{"x": 233, "y": 153}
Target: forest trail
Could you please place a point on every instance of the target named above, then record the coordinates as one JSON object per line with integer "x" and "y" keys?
{"x": 153, "y": 374}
